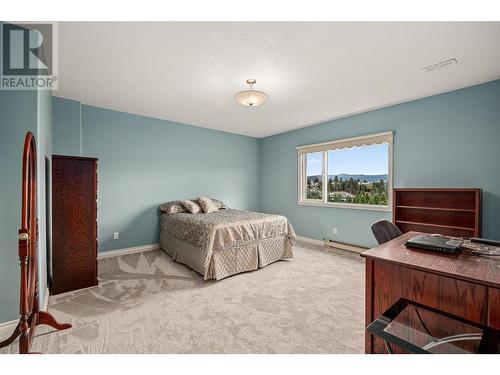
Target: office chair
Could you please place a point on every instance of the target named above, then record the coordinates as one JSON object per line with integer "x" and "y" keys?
{"x": 384, "y": 231}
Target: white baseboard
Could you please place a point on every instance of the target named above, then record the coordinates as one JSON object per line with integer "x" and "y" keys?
{"x": 45, "y": 304}
{"x": 335, "y": 245}
{"x": 127, "y": 250}
{"x": 311, "y": 241}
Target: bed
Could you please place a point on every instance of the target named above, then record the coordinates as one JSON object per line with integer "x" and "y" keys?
{"x": 226, "y": 242}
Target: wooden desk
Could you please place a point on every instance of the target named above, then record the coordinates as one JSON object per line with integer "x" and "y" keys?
{"x": 463, "y": 285}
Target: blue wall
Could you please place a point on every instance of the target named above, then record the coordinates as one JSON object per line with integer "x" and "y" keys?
{"x": 20, "y": 112}
{"x": 67, "y": 127}
{"x": 145, "y": 161}
{"x": 448, "y": 140}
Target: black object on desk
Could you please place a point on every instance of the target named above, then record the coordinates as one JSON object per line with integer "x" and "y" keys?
{"x": 404, "y": 325}
{"x": 437, "y": 243}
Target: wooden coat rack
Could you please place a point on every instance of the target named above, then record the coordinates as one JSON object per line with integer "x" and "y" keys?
{"x": 31, "y": 317}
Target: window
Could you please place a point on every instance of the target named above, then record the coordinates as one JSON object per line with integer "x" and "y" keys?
{"x": 354, "y": 173}
{"x": 314, "y": 173}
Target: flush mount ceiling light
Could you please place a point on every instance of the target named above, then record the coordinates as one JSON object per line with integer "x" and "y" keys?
{"x": 251, "y": 98}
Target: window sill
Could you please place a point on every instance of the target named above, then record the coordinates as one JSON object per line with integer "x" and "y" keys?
{"x": 367, "y": 207}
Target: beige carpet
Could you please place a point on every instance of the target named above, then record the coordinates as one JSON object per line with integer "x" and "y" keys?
{"x": 146, "y": 303}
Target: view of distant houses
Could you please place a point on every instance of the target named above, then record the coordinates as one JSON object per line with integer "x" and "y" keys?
{"x": 360, "y": 189}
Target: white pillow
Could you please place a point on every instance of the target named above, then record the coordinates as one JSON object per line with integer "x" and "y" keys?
{"x": 207, "y": 205}
{"x": 191, "y": 206}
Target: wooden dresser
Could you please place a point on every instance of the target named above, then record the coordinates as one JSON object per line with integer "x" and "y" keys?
{"x": 74, "y": 223}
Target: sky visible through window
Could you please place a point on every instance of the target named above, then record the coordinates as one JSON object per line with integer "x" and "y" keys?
{"x": 368, "y": 160}
{"x": 314, "y": 164}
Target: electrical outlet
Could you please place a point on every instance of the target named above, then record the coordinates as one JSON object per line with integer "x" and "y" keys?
{"x": 335, "y": 231}
{"x": 116, "y": 235}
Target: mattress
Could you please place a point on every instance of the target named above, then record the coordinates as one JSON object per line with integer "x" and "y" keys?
{"x": 226, "y": 242}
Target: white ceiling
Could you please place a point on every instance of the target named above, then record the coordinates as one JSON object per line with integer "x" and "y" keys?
{"x": 188, "y": 72}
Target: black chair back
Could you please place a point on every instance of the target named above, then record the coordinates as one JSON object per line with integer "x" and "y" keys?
{"x": 384, "y": 231}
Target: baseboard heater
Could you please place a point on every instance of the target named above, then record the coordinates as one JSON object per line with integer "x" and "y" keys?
{"x": 337, "y": 245}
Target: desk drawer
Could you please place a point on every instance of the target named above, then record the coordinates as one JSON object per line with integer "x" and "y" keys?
{"x": 460, "y": 298}
{"x": 457, "y": 297}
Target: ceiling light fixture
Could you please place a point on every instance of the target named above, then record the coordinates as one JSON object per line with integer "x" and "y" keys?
{"x": 251, "y": 98}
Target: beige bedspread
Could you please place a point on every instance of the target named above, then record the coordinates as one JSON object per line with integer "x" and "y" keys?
{"x": 223, "y": 229}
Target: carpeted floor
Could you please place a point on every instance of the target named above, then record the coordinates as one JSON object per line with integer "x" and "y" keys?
{"x": 146, "y": 303}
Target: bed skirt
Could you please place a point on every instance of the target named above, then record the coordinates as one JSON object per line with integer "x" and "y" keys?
{"x": 229, "y": 261}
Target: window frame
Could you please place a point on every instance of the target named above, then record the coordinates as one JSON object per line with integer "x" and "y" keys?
{"x": 323, "y": 148}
